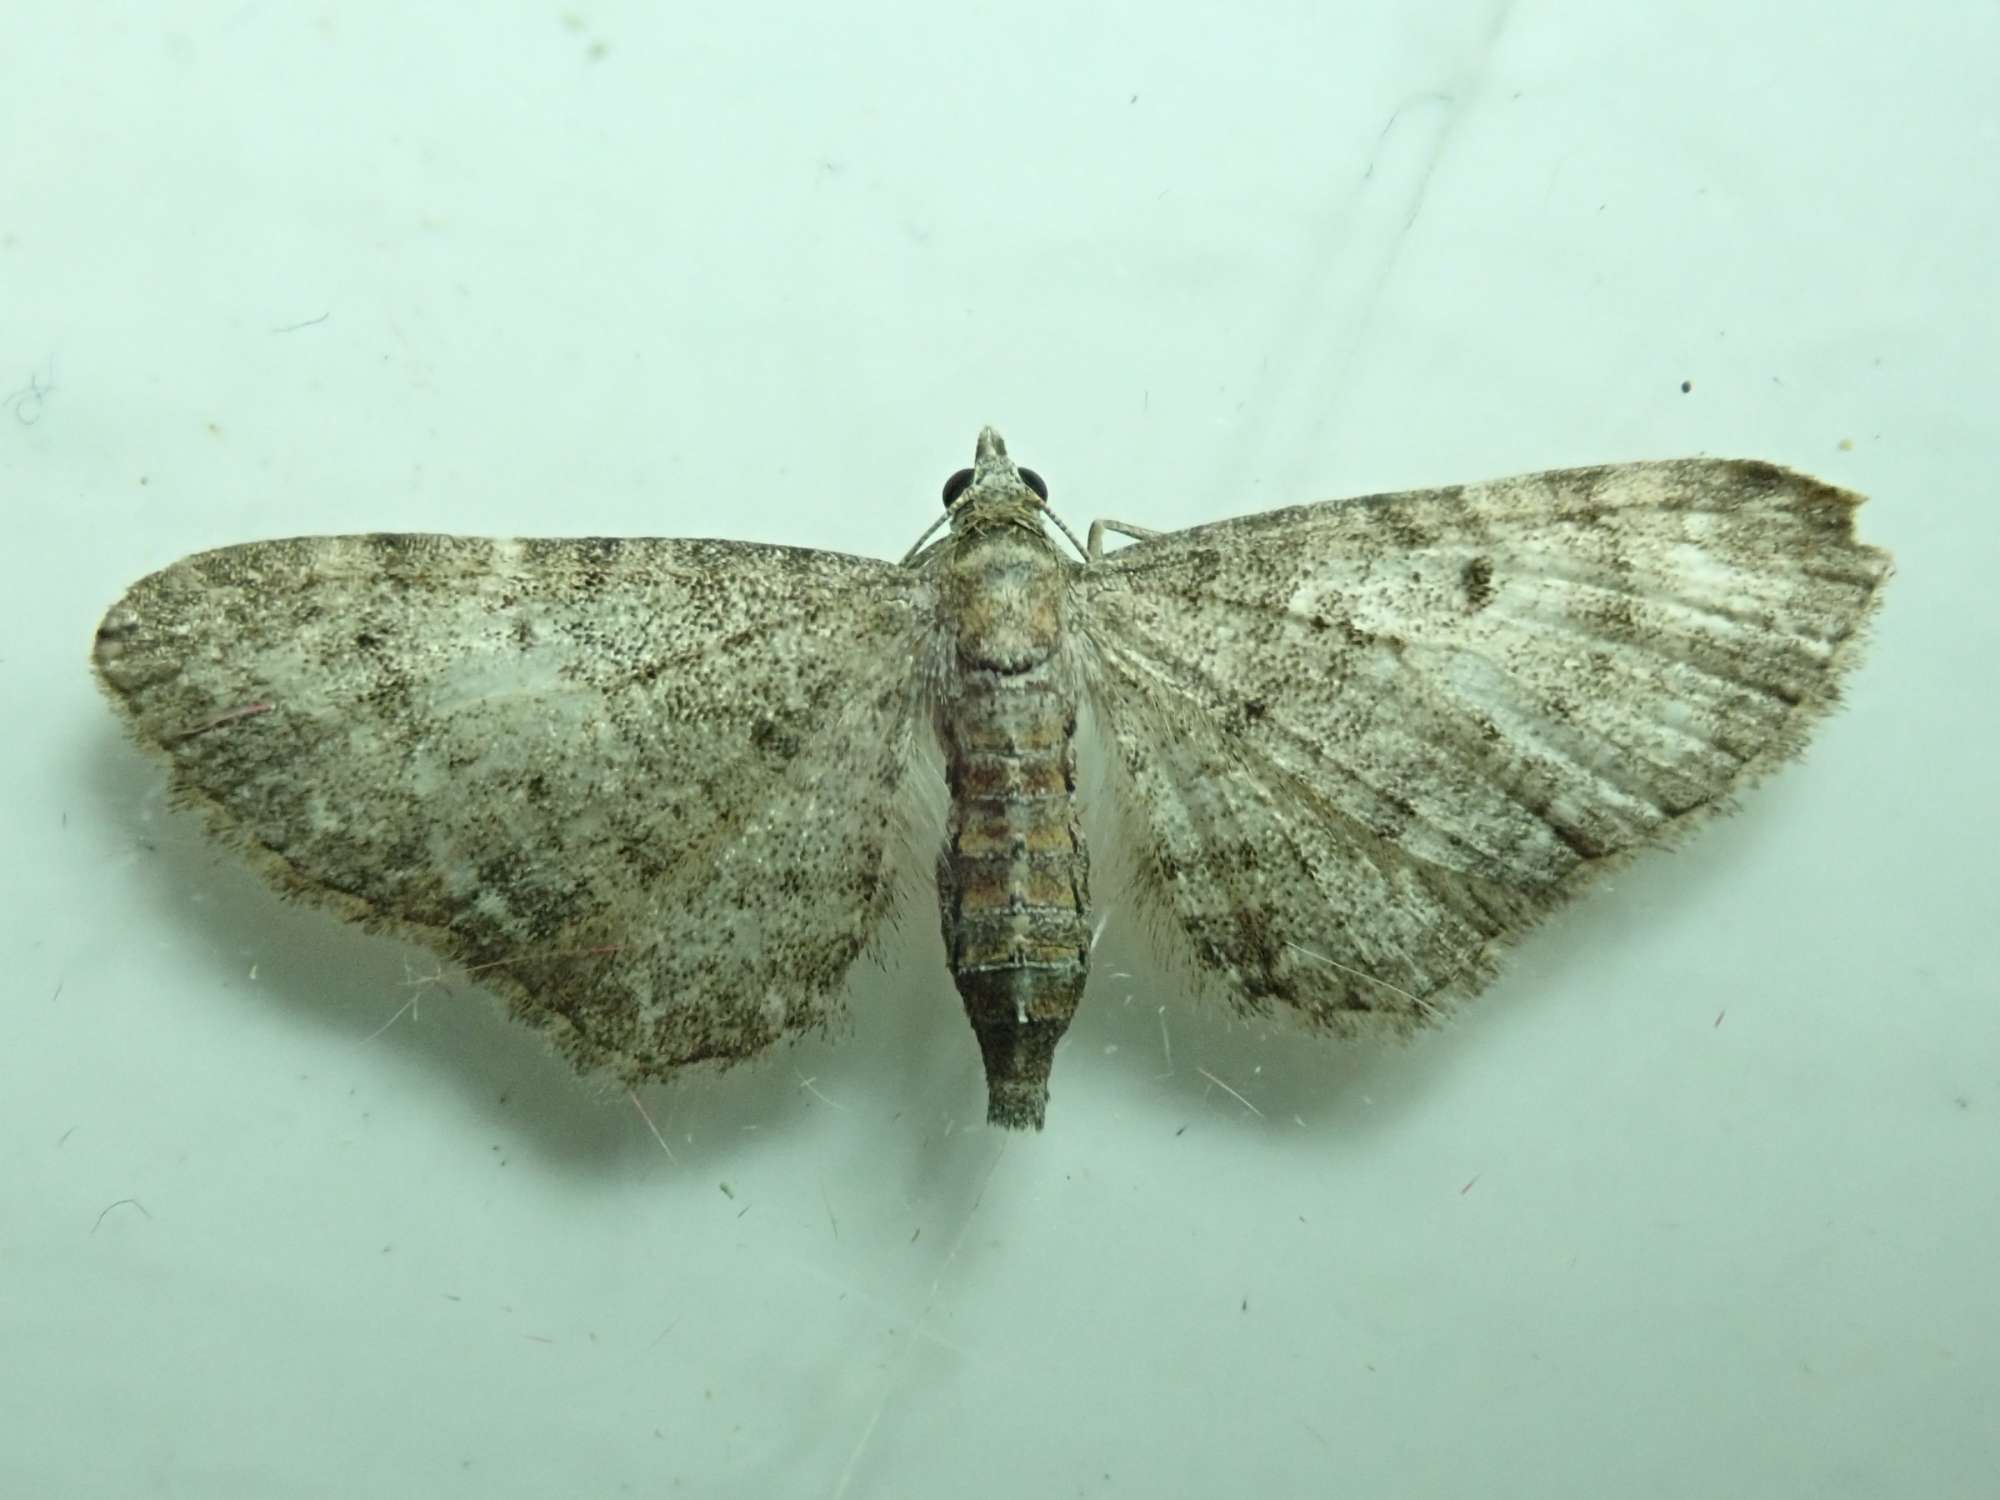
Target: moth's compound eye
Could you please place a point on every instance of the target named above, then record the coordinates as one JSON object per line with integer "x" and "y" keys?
{"x": 955, "y": 486}
{"x": 1035, "y": 482}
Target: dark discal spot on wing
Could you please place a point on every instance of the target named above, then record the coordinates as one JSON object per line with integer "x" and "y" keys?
{"x": 773, "y": 739}
{"x": 1476, "y": 578}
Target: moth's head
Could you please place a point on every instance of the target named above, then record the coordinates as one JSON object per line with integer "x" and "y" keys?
{"x": 994, "y": 491}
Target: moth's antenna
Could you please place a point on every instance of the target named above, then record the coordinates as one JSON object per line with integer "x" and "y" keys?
{"x": 1070, "y": 535}
{"x": 929, "y": 532}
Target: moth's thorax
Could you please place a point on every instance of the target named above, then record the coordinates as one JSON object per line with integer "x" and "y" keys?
{"x": 1002, "y": 590}
{"x": 1013, "y": 880}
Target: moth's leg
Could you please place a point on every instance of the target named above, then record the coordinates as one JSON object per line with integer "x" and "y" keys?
{"x": 1094, "y": 543}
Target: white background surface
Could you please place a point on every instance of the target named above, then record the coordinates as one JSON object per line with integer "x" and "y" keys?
{"x": 1699, "y": 1200}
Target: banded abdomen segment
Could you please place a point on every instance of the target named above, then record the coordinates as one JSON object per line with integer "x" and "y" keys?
{"x": 1014, "y": 879}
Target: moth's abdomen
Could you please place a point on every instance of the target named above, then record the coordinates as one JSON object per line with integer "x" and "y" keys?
{"x": 1013, "y": 880}
{"x": 1014, "y": 888}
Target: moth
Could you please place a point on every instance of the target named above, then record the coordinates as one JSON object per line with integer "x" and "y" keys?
{"x": 655, "y": 792}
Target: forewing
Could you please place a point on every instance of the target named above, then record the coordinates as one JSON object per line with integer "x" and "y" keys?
{"x": 1364, "y": 741}
{"x": 647, "y": 789}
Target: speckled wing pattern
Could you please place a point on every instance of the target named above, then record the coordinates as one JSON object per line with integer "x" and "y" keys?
{"x": 658, "y": 793}
{"x": 1359, "y": 745}
{"x": 547, "y": 761}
